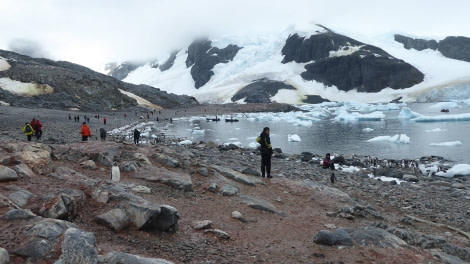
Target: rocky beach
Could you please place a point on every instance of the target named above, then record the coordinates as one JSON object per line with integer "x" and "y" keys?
{"x": 205, "y": 203}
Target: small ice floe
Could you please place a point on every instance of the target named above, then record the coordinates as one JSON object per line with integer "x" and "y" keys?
{"x": 406, "y": 113}
{"x": 442, "y": 105}
{"x": 233, "y": 139}
{"x": 443, "y": 118}
{"x": 458, "y": 169}
{"x": 185, "y": 142}
{"x": 435, "y": 130}
{"x": 398, "y": 138}
{"x": 367, "y": 129}
{"x": 344, "y": 115}
{"x": 448, "y": 144}
{"x": 199, "y": 132}
{"x": 293, "y": 138}
{"x": 253, "y": 145}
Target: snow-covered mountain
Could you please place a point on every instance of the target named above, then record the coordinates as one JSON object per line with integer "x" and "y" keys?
{"x": 309, "y": 65}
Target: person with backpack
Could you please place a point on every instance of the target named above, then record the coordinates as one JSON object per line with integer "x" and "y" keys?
{"x": 266, "y": 150}
{"x": 103, "y": 134}
{"x": 136, "y": 136}
{"x": 38, "y": 129}
{"x": 85, "y": 131}
{"x": 28, "y": 131}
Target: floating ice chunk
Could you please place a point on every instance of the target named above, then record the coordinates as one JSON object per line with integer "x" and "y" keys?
{"x": 458, "y": 169}
{"x": 253, "y": 145}
{"x": 293, "y": 138}
{"x": 199, "y": 132}
{"x": 185, "y": 142}
{"x": 367, "y": 129}
{"x": 233, "y": 139}
{"x": 154, "y": 136}
{"x": 406, "y": 113}
{"x": 436, "y": 130}
{"x": 442, "y": 105}
{"x": 448, "y": 144}
{"x": 145, "y": 134}
{"x": 344, "y": 115}
{"x": 443, "y": 118}
{"x": 398, "y": 138}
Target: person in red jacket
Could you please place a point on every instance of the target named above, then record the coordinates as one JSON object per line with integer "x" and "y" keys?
{"x": 104, "y": 120}
{"x": 38, "y": 129}
{"x": 328, "y": 163}
{"x": 85, "y": 131}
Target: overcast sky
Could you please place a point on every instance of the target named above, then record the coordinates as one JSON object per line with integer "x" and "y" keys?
{"x": 93, "y": 32}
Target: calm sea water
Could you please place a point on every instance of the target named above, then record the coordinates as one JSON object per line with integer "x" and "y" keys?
{"x": 345, "y": 137}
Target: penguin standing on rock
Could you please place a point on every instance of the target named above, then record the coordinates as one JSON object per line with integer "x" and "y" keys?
{"x": 332, "y": 178}
{"x": 115, "y": 173}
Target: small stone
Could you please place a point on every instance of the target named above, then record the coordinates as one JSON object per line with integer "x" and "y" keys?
{"x": 203, "y": 171}
{"x": 237, "y": 215}
{"x": 330, "y": 226}
{"x": 89, "y": 165}
{"x": 458, "y": 185}
{"x": 218, "y": 233}
{"x": 213, "y": 187}
{"x": 318, "y": 255}
{"x": 7, "y": 174}
{"x": 4, "y": 257}
{"x": 141, "y": 189}
{"x": 331, "y": 214}
{"x": 203, "y": 224}
{"x": 100, "y": 196}
{"x": 228, "y": 190}
{"x": 346, "y": 216}
{"x": 17, "y": 214}
{"x": 20, "y": 198}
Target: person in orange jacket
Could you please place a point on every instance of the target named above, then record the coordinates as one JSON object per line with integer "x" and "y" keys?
{"x": 85, "y": 131}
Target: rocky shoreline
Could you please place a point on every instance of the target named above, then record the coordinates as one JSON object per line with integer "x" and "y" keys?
{"x": 204, "y": 203}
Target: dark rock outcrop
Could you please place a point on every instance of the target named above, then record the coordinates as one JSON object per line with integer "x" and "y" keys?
{"x": 454, "y": 47}
{"x": 260, "y": 91}
{"x": 417, "y": 44}
{"x": 161, "y": 98}
{"x": 203, "y": 57}
{"x": 358, "y": 66}
{"x": 70, "y": 85}
{"x": 168, "y": 63}
{"x": 121, "y": 71}
{"x": 314, "y": 99}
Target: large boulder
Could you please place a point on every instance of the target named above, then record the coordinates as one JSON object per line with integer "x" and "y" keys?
{"x": 4, "y": 257}
{"x": 237, "y": 176}
{"x": 332, "y": 238}
{"x": 20, "y": 197}
{"x": 115, "y": 257}
{"x": 181, "y": 181}
{"x": 33, "y": 154}
{"x": 373, "y": 236}
{"x": 260, "y": 204}
{"x": 115, "y": 219}
{"x": 63, "y": 206}
{"x": 153, "y": 217}
{"x": 7, "y": 174}
{"x": 23, "y": 170}
{"x": 79, "y": 247}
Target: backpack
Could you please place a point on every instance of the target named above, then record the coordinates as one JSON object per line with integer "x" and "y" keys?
{"x": 258, "y": 139}
{"x": 28, "y": 129}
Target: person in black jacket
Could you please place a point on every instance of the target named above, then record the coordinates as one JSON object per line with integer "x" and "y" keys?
{"x": 266, "y": 152}
{"x": 136, "y": 136}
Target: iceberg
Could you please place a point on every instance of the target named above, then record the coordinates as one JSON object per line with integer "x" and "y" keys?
{"x": 293, "y": 138}
{"x": 367, "y": 129}
{"x": 443, "y": 118}
{"x": 398, "y": 138}
{"x": 447, "y": 144}
{"x": 436, "y": 130}
{"x": 199, "y": 132}
{"x": 344, "y": 115}
{"x": 458, "y": 169}
{"x": 406, "y": 113}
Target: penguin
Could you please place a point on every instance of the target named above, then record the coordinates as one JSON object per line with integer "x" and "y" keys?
{"x": 332, "y": 178}
{"x": 115, "y": 173}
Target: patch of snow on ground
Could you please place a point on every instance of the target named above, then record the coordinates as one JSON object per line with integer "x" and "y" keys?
{"x": 21, "y": 88}
{"x": 4, "y": 65}
{"x": 350, "y": 169}
{"x": 185, "y": 142}
{"x": 448, "y": 144}
{"x": 367, "y": 129}
{"x": 398, "y": 138}
{"x": 140, "y": 100}
{"x": 458, "y": 169}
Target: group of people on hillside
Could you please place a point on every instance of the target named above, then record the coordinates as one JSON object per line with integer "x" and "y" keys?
{"x": 34, "y": 128}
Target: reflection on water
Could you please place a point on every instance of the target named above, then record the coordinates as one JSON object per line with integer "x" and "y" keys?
{"x": 343, "y": 137}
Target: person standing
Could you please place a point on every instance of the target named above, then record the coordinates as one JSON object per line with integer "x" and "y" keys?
{"x": 85, "y": 131}
{"x": 104, "y": 120}
{"x": 266, "y": 150}
{"x": 103, "y": 134}
{"x": 28, "y": 131}
{"x": 38, "y": 130}
{"x": 136, "y": 136}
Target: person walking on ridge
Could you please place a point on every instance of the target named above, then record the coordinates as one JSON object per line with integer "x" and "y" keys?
{"x": 266, "y": 150}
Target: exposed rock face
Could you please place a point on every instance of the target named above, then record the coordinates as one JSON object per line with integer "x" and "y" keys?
{"x": 454, "y": 47}
{"x": 349, "y": 64}
{"x": 121, "y": 71}
{"x": 260, "y": 91}
{"x": 64, "y": 85}
{"x": 314, "y": 99}
{"x": 203, "y": 57}
{"x": 417, "y": 44}
{"x": 168, "y": 63}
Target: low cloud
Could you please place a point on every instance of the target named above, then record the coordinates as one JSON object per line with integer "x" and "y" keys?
{"x": 27, "y": 47}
